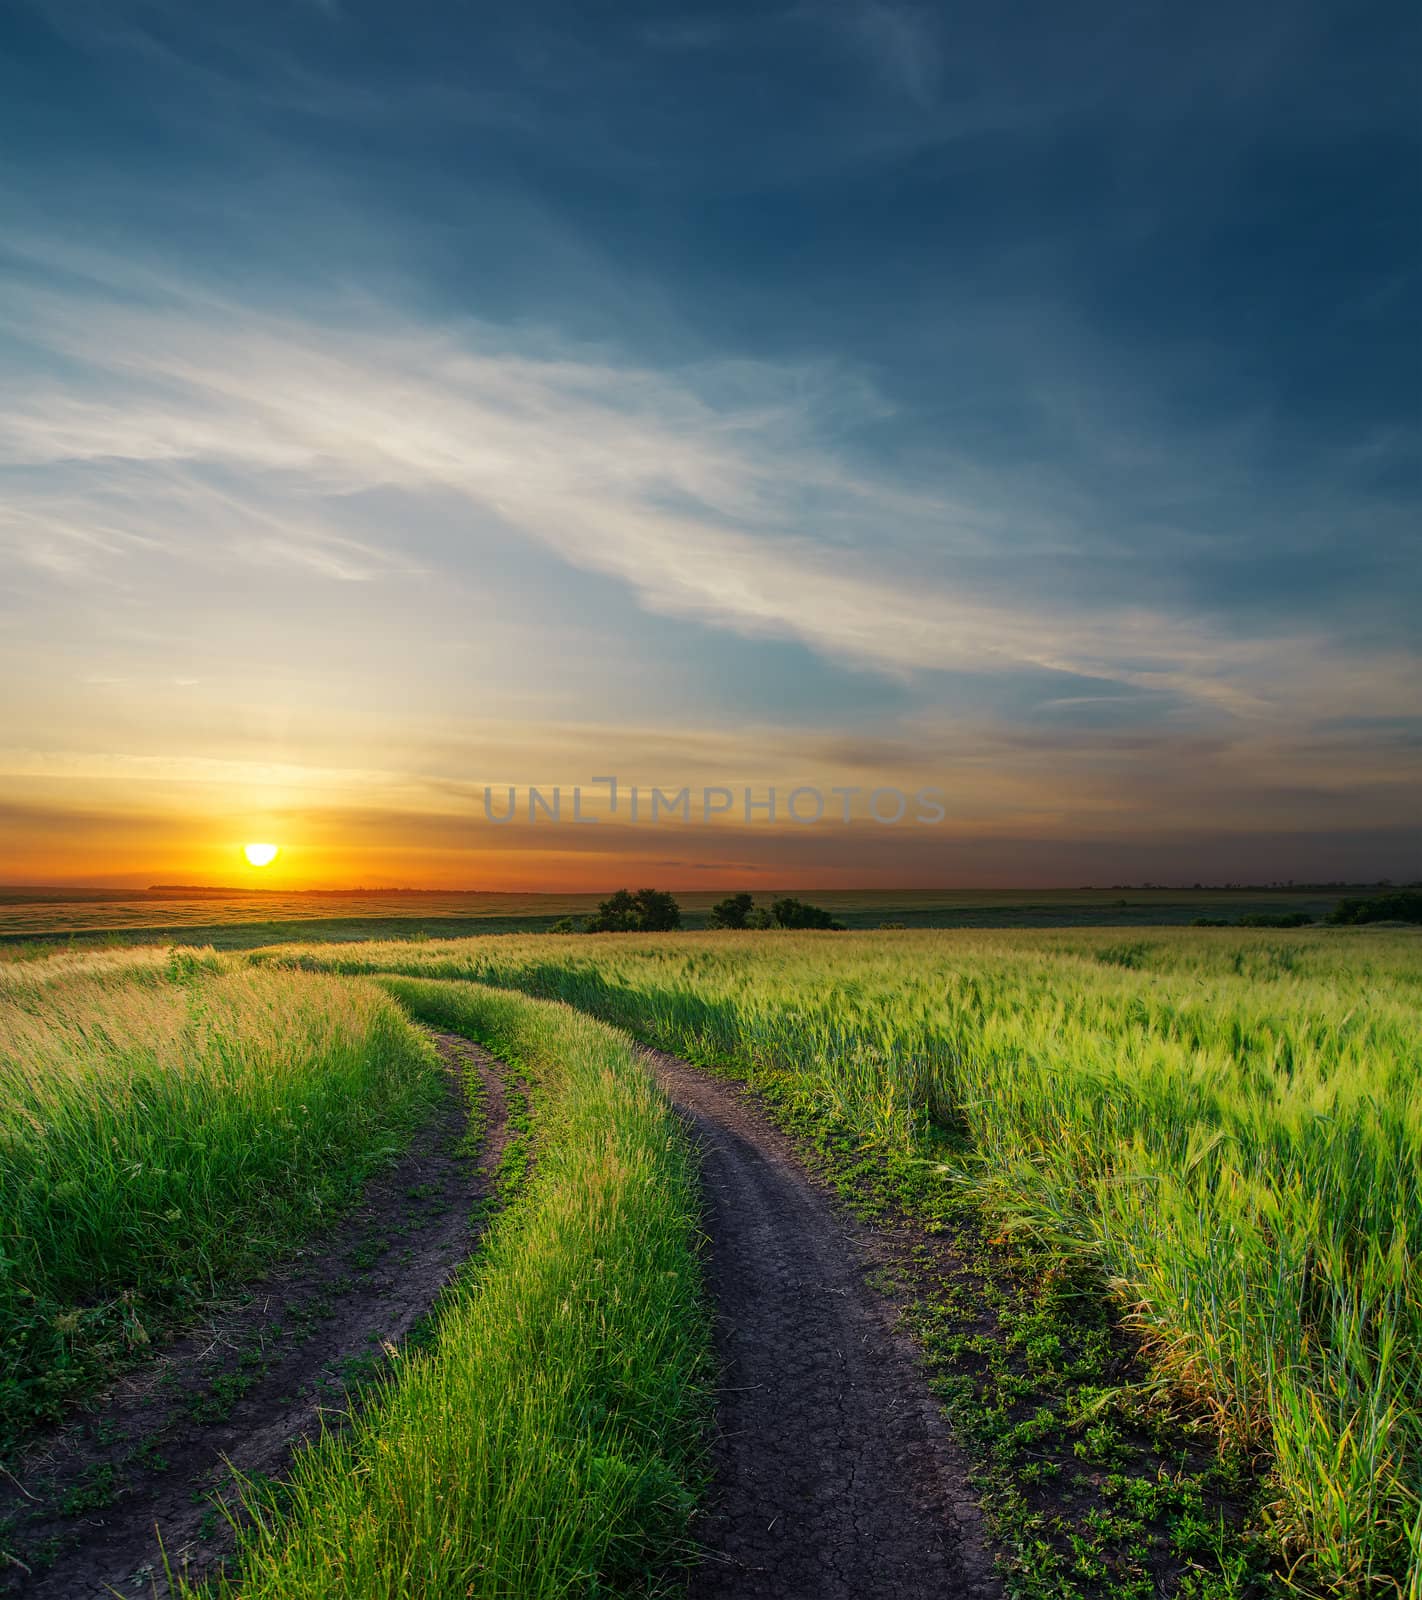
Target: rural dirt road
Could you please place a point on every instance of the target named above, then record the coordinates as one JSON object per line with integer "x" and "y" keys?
{"x": 836, "y": 1476}
{"x": 254, "y": 1383}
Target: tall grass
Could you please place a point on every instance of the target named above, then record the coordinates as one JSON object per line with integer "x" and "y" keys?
{"x": 545, "y": 1445}
{"x": 1230, "y": 1126}
{"x": 167, "y": 1122}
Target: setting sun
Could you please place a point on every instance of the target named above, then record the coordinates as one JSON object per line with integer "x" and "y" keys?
{"x": 260, "y": 855}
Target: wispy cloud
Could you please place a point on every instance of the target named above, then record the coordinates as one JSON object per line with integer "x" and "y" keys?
{"x": 902, "y": 41}
{"x": 217, "y": 432}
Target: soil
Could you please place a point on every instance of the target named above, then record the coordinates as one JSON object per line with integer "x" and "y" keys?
{"x": 150, "y": 1459}
{"x": 836, "y": 1476}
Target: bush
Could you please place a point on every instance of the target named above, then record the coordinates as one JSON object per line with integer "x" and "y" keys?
{"x": 740, "y": 911}
{"x": 1405, "y": 906}
{"x": 731, "y": 912}
{"x": 647, "y": 911}
{"x": 791, "y": 913}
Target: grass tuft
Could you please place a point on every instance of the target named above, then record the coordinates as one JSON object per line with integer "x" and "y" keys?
{"x": 549, "y": 1440}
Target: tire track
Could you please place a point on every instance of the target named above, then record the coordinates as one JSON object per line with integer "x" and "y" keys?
{"x": 155, "y": 1454}
{"x": 836, "y": 1477}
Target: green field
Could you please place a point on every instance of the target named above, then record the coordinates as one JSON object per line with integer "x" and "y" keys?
{"x": 562, "y": 1407}
{"x": 170, "y": 1125}
{"x": 233, "y": 919}
{"x": 1205, "y": 1142}
{"x": 1229, "y": 1127}
{"x": 167, "y": 1123}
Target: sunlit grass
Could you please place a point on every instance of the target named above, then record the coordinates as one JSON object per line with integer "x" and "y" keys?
{"x": 1229, "y": 1125}
{"x": 547, "y": 1442}
{"x": 168, "y": 1122}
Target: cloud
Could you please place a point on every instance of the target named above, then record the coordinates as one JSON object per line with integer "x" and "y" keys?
{"x": 160, "y": 420}
{"x": 903, "y": 43}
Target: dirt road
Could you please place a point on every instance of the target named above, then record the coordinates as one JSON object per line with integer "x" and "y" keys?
{"x": 836, "y": 1476}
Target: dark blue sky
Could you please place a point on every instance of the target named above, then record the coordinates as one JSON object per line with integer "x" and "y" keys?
{"x": 991, "y": 377}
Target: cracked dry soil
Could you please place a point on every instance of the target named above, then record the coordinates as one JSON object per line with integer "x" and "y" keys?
{"x": 836, "y": 1477}
{"x": 148, "y": 1458}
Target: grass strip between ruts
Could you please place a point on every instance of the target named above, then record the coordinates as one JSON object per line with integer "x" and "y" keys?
{"x": 550, "y": 1442}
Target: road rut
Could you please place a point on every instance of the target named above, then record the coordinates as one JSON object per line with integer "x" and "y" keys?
{"x": 91, "y": 1501}
{"x": 836, "y": 1477}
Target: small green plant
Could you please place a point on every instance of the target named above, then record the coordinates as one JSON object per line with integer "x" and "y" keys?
{"x": 95, "y": 1490}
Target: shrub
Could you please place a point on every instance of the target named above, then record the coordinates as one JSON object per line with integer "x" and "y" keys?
{"x": 740, "y": 911}
{"x": 647, "y": 911}
{"x": 731, "y": 912}
{"x": 1405, "y": 906}
{"x": 792, "y": 913}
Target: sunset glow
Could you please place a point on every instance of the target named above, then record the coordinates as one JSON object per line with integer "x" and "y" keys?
{"x": 893, "y": 447}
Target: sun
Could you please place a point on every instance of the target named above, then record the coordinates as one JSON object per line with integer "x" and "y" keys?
{"x": 260, "y": 855}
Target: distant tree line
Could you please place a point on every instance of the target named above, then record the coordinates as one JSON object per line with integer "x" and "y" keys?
{"x": 741, "y": 911}
{"x": 1403, "y": 906}
{"x": 655, "y": 911}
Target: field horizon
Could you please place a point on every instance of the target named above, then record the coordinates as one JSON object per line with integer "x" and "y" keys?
{"x": 230, "y": 918}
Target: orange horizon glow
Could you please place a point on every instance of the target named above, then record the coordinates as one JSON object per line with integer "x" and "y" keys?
{"x": 404, "y": 817}
{"x": 325, "y": 556}
{"x": 769, "y": 862}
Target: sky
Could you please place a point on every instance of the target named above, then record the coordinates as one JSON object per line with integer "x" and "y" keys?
{"x": 1017, "y": 401}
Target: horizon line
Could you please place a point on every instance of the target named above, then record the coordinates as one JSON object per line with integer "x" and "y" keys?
{"x": 1142, "y": 887}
